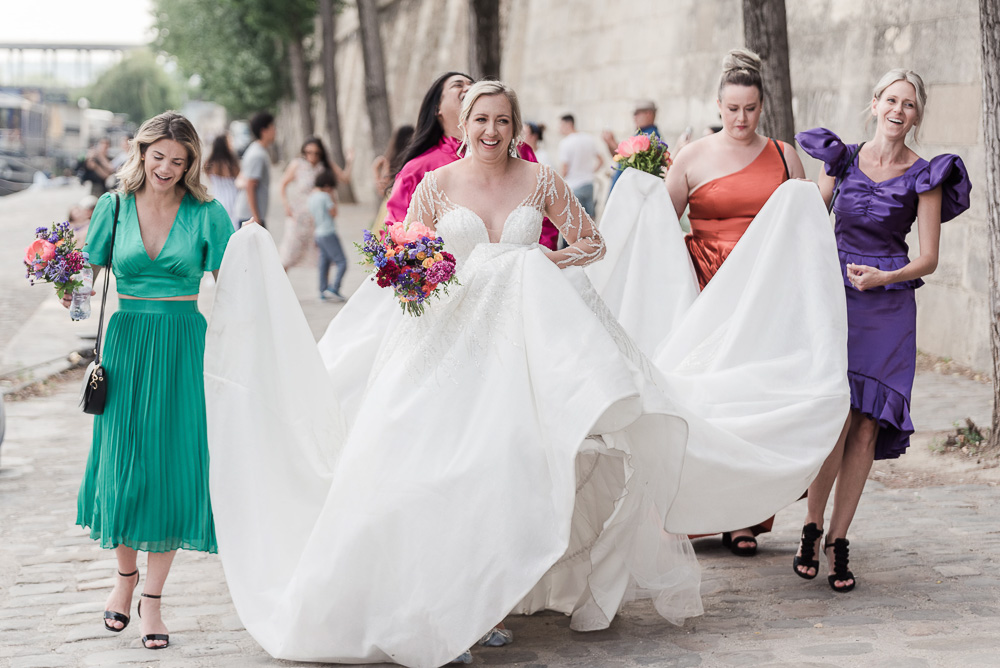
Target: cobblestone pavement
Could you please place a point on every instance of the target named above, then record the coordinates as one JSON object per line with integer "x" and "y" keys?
{"x": 926, "y": 558}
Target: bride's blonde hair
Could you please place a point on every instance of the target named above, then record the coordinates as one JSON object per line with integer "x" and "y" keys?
{"x": 492, "y": 87}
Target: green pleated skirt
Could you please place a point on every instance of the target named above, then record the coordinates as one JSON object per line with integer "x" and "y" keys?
{"x": 146, "y": 482}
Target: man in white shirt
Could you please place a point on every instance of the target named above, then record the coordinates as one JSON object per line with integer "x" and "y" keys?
{"x": 579, "y": 160}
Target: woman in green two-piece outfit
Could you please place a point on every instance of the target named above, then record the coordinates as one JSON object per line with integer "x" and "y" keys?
{"x": 146, "y": 482}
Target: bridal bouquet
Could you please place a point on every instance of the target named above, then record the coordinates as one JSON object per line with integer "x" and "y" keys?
{"x": 411, "y": 260}
{"x": 53, "y": 257}
{"x": 647, "y": 153}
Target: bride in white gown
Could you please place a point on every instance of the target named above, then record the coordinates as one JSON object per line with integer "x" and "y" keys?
{"x": 393, "y": 494}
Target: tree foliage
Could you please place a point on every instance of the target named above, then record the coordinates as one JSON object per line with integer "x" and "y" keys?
{"x": 137, "y": 86}
{"x": 236, "y": 47}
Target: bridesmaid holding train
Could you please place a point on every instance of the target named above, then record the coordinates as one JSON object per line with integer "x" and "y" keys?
{"x": 881, "y": 187}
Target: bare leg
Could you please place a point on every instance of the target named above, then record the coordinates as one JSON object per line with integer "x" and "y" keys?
{"x": 120, "y": 598}
{"x": 157, "y": 569}
{"x": 859, "y": 453}
{"x": 819, "y": 490}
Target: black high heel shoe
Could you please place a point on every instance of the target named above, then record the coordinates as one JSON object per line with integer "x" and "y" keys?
{"x": 840, "y": 571}
{"x": 810, "y": 534}
{"x": 741, "y": 546}
{"x": 117, "y": 616}
{"x": 153, "y": 636}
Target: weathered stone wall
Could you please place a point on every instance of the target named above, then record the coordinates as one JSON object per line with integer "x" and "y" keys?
{"x": 594, "y": 58}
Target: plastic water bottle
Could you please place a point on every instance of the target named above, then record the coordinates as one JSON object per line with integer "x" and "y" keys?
{"x": 80, "y": 307}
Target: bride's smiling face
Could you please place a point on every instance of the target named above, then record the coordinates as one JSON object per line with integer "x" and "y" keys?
{"x": 490, "y": 128}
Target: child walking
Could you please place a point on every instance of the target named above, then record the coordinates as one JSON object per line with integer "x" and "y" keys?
{"x": 322, "y": 205}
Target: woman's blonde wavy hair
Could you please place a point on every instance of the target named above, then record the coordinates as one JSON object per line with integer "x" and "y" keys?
{"x": 168, "y": 125}
{"x": 492, "y": 87}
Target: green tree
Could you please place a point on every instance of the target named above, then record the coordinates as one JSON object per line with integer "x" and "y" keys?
{"x": 137, "y": 86}
{"x": 241, "y": 62}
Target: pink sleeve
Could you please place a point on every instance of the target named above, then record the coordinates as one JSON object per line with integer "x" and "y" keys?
{"x": 526, "y": 153}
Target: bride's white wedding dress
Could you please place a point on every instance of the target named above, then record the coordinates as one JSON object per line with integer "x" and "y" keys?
{"x": 395, "y": 492}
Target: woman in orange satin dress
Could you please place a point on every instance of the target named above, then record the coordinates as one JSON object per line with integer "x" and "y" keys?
{"x": 726, "y": 178}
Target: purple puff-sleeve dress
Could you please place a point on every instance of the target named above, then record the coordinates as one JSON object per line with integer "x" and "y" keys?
{"x": 872, "y": 220}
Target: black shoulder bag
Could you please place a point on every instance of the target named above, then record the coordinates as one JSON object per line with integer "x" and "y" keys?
{"x": 840, "y": 179}
{"x": 95, "y": 383}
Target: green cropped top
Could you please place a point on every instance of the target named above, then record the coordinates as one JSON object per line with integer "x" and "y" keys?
{"x": 195, "y": 244}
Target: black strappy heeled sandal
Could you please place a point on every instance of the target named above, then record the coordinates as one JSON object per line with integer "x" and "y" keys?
{"x": 117, "y": 616}
{"x": 153, "y": 636}
{"x": 840, "y": 571}
{"x": 741, "y": 546}
{"x": 810, "y": 534}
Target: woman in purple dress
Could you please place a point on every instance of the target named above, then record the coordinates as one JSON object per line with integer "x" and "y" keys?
{"x": 883, "y": 187}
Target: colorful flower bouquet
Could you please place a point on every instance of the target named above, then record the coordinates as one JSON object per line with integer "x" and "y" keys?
{"x": 647, "y": 153}
{"x": 53, "y": 257}
{"x": 410, "y": 259}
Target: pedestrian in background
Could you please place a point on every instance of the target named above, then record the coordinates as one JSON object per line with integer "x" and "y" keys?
{"x": 145, "y": 487}
{"x": 644, "y": 119}
{"x": 296, "y": 185}
{"x": 385, "y": 166}
{"x": 534, "y": 134}
{"x": 884, "y": 186}
{"x": 255, "y": 170}
{"x": 222, "y": 168}
{"x": 98, "y": 167}
{"x": 579, "y": 161}
{"x": 322, "y": 206}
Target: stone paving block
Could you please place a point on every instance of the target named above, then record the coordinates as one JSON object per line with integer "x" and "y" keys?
{"x": 76, "y": 608}
{"x": 956, "y": 644}
{"x": 19, "y": 624}
{"x": 91, "y": 585}
{"x": 119, "y": 656}
{"x": 210, "y": 650}
{"x": 926, "y": 615}
{"x": 903, "y": 662}
{"x": 42, "y": 661}
{"x": 93, "y": 630}
{"x": 744, "y": 658}
{"x": 838, "y": 649}
{"x": 957, "y": 570}
{"x": 683, "y": 661}
{"x": 35, "y": 589}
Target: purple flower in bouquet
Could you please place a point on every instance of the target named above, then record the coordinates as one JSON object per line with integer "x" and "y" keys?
{"x": 53, "y": 257}
{"x": 412, "y": 261}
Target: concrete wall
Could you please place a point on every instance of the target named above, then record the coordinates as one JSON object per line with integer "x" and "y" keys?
{"x": 594, "y": 58}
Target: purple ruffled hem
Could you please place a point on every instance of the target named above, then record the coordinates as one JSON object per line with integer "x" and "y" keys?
{"x": 887, "y": 407}
{"x": 883, "y": 262}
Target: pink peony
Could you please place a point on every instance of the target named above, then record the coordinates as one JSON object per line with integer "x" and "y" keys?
{"x": 405, "y": 234}
{"x": 40, "y": 251}
{"x": 635, "y": 144}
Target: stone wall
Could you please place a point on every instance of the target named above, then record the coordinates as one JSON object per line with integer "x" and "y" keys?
{"x": 594, "y": 58}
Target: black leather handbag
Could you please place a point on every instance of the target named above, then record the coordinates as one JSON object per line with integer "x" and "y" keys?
{"x": 95, "y": 384}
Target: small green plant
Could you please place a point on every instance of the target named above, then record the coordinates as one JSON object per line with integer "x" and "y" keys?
{"x": 967, "y": 438}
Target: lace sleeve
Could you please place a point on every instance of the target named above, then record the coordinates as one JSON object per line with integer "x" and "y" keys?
{"x": 563, "y": 209}
{"x": 423, "y": 204}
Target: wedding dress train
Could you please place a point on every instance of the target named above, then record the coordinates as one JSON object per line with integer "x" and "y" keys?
{"x": 393, "y": 493}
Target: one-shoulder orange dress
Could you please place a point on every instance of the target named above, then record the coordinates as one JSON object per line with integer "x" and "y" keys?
{"x": 722, "y": 209}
